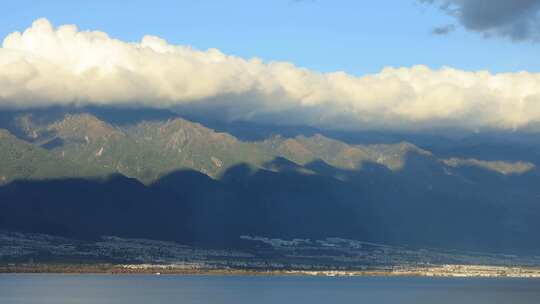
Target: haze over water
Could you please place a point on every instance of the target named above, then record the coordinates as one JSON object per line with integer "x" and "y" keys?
{"x": 135, "y": 289}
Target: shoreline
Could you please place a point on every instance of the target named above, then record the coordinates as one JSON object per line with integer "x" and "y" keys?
{"x": 447, "y": 271}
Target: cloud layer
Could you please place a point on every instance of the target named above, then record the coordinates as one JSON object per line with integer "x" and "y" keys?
{"x": 518, "y": 20}
{"x": 46, "y": 66}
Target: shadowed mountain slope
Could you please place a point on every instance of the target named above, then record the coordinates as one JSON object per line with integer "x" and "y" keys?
{"x": 187, "y": 206}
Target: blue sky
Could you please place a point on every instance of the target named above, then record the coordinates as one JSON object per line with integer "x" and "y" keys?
{"x": 359, "y": 37}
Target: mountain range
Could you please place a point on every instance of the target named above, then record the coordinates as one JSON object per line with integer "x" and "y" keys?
{"x": 90, "y": 172}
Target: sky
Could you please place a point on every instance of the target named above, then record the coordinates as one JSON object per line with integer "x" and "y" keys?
{"x": 407, "y": 65}
{"x": 359, "y": 37}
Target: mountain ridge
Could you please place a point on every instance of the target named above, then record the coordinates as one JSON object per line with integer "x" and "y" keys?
{"x": 86, "y": 139}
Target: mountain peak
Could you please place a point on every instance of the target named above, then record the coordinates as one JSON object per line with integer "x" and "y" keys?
{"x": 83, "y": 126}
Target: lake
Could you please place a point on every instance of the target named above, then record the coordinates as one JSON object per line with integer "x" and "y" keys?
{"x": 135, "y": 289}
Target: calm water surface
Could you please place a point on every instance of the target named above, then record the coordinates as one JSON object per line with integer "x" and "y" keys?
{"x": 59, "y": 289}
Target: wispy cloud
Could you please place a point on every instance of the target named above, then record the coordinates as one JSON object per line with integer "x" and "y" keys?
{"x": 443, "y": 30}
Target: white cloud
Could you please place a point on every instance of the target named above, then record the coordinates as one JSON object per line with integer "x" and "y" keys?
{"x": 50, "y": 66}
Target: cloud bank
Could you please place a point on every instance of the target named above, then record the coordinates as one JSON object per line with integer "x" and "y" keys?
{"x": 518, "y": 20}
{"x": 46, "y": 66}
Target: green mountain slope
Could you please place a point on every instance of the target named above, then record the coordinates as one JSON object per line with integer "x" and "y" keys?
{"x": 22, "y": 160}
{"x": 82, "y": 145}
